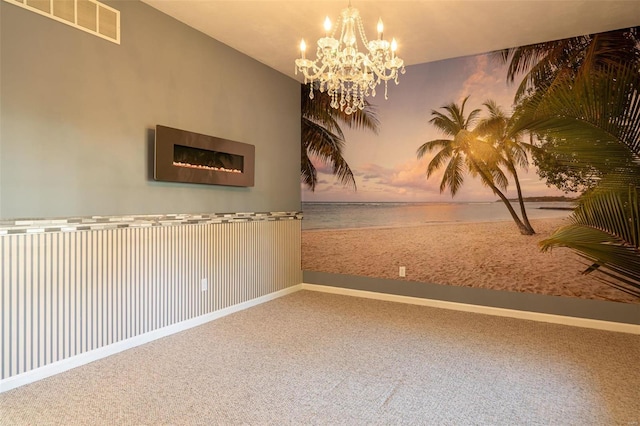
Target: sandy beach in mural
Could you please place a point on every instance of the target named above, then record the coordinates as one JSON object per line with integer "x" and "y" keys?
{"x": 489, "y": 255}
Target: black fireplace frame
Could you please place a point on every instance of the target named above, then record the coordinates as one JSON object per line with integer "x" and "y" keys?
{"x": 165, "y": 170}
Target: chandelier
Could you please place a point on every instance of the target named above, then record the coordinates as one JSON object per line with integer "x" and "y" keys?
{"x": 346, "y": 74}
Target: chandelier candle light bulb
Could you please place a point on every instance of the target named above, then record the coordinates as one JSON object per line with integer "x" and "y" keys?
{"x": 345, "y": 73}
{"x": 303, "y": 47}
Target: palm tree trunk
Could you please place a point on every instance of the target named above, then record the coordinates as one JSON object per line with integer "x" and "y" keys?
{"x": 524, "y": 230}
{"x": 525, "y": 219}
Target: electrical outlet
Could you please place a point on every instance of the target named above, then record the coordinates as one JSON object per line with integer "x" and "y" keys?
{"x": 204, "y": 284}
{"x": 403, "y": 271}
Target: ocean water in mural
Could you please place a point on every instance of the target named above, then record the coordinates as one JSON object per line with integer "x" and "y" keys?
{"x": 423, "y": 191}
{"x": 364, "y": 215}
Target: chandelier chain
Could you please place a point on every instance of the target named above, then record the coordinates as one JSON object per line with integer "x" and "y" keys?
{"x": 363, "y": 35}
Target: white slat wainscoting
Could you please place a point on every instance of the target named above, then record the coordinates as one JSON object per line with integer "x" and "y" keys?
{"x": 68, "y": 292}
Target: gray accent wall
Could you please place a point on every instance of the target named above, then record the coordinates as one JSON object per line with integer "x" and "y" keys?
{"x": 556, "y": 305}
{"x": 78, "y": 114}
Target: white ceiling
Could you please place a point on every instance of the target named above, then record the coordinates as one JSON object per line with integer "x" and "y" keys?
{"x": 428, "y": 30}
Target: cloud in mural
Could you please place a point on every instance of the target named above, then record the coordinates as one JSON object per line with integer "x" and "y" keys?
{"x": 408, "y": 176}
{"x": 322, "y": 167}
{"x": 486, "y": 81}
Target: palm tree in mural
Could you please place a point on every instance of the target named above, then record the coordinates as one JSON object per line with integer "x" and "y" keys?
{"x": 543, "y": 64}
{"x": 466, "y": 152}
{"x": 596, "y": 115}
{"x": 514, "y": 151}
{"x": 598, "y": 119}
{"x": 322, "y": 138}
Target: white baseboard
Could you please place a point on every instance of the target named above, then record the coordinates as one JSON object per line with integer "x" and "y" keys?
{"x": 502, "y": 312}
{"x": 96, "y": 354}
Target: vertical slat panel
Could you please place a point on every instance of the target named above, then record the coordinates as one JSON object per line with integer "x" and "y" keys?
{"x": 5, "y": 292}
{"x": 76, "y": 295}
{"x": 14, "y": 285}
{"x": 53, "y": 297}
{"x": 160, "y": 278}
{"x": 109, "y": 286}
{"x": 117, "y": 296}
{"x": 66, "y": 293}
{"x": 128, "y": 290}
{"x": 102, "y": 295}
{"x": 26, "y": 305}
{"x": 169, "y": 259}
{"x": 63, "y": 297}
{"x": 96, "y": 317}
{"x": 134, "y": 282}
{"x": 39, "y": 305}
{"x": 20, "y": 314}
{"x": 85, "y": 288}
{"x": 151, "y": 293}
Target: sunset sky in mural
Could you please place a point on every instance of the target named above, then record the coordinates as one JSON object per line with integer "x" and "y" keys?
{"x": 386, "y": 166}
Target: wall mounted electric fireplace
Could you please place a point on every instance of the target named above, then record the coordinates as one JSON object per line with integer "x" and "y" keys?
{"x": 182, "y": 156}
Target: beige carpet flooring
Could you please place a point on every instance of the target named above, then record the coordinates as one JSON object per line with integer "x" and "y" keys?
{"x": 314, "y": 358}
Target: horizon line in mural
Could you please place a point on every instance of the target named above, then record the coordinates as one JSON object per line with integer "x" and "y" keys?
{"x": 350, "y": 215}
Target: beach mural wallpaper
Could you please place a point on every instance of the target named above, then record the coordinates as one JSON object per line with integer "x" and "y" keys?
{"x": 515, "y": 170}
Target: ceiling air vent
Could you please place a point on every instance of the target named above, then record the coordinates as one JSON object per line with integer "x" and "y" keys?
{"x": 86, "y": 15}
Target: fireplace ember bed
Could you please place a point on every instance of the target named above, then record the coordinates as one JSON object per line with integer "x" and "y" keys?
{"x": 182, "y": 156}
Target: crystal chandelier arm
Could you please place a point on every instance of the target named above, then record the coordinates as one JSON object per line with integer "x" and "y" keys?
{"x": 310, "y": 69}
{"x": 392, "y": 66}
